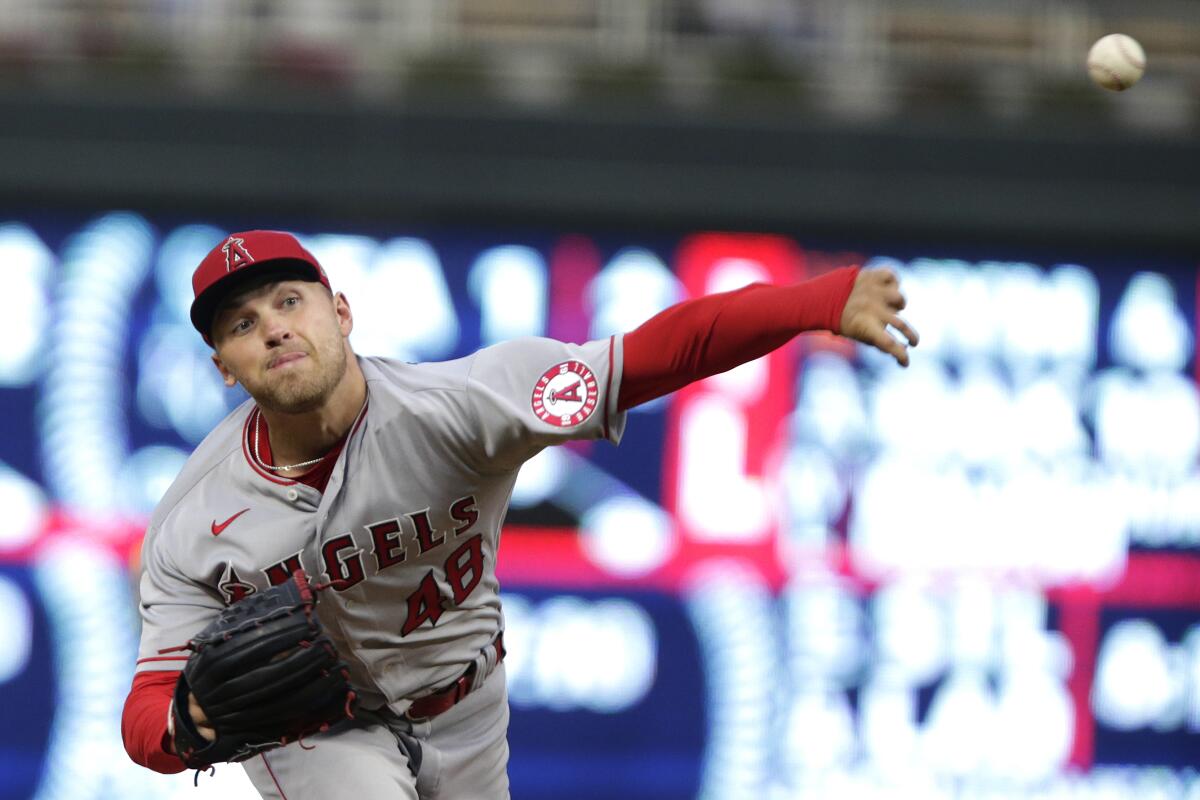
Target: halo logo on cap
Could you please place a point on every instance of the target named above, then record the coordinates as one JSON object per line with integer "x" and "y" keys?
{"x": 566, "y": 394}
{"x": 236, "y": 254}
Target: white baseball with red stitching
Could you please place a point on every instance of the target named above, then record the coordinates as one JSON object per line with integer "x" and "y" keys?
{"x": 1116, "y": 62}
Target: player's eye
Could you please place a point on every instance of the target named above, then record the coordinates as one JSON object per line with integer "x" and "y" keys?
{"x": 291, "y": 300}
{"x": 241, "y": 326}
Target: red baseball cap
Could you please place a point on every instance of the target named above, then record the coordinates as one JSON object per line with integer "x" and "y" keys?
{"x": 249, "y": 254}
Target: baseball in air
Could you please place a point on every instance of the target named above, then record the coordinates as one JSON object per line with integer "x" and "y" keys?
{"x": 1116, "y": 62}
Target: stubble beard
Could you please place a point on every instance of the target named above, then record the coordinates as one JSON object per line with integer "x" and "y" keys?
{"x": 300, "y": 394}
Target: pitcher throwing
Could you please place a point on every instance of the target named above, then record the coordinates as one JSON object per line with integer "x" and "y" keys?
{"x": 372, "y": 493}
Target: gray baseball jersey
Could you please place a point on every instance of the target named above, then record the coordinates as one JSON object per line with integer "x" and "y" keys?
{"x": 409, "y": 522}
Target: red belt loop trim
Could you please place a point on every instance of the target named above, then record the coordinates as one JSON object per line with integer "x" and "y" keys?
{"x": 442, "y": 701}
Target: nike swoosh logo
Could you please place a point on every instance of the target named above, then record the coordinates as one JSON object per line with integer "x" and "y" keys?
{"x": 216, "y": 529}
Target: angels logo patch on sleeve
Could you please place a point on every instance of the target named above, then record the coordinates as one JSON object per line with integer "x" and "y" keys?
{"x": 566, "y": 394}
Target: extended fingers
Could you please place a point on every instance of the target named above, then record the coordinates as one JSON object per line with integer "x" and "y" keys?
{"x": 896, "y": 350}
{"x": 884, "y": 341}
{"x": 906, "y": 330}
{"x": 879, "y": 301}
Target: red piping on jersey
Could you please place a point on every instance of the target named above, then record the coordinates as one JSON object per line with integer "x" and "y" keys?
{"x": 608, "y": 382}
{"x": 271, "y": 772}
{"x": 250, "y": 458}
{"x": 162, "y": 658}
{"x": 316, "y": 477}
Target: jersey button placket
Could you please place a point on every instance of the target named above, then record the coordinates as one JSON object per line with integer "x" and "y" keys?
{"x": 293, "y": 495}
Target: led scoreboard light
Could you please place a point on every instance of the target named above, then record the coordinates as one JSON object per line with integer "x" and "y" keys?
{"x": 817, "y": 575}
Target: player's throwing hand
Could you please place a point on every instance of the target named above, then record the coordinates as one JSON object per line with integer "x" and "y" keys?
{"x": 872, "y": 307}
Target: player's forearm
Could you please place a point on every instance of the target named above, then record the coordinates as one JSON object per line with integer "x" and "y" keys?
{"x": 709, "y": 335}
{"x": 144, "y": 721}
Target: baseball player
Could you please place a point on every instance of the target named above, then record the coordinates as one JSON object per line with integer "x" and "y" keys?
{"x": 390, "y": 481}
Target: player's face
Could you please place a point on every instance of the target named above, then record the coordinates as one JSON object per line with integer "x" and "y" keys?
{"x": 285, "y": 342}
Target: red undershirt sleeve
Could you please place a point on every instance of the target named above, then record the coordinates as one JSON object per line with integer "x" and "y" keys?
{"x": 709, "y": 335}
{"x": 144, "y": 721}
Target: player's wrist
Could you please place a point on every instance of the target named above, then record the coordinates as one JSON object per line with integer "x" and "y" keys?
{"x": 822, "y": 300}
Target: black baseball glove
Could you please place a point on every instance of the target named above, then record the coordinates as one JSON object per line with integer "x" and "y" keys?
{"x": 265, "y": 674}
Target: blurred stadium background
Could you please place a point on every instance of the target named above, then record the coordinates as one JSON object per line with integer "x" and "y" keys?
{"x": 818, "y": 576}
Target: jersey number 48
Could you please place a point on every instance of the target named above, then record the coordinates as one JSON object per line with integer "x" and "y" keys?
{"x": 463, "y": 568}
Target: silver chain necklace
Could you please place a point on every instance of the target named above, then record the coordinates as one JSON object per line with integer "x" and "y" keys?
{"x": 258, "y": 458}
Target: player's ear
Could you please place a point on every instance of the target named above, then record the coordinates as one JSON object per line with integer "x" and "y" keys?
{"x": 341, "y": 307}
{"x": 226, "y": 375}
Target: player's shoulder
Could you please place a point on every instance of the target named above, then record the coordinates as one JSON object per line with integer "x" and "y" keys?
{"x": 512, "y": 355}
{"x": 223, "y": 443}
{"x": 535, "y": 355}
{"x": 407, "y": 376}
